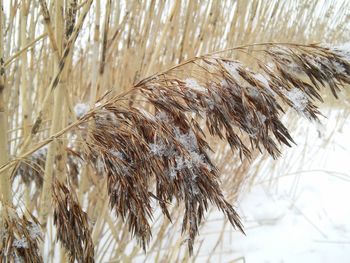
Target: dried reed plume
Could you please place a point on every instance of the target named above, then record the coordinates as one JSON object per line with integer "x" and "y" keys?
{"x": 31, "y": 170}
{"x": 146, "y": 145}
{"x": 19, "y": 238}
{"x": 72, "y": 224}
{"x": 162, "y": 153}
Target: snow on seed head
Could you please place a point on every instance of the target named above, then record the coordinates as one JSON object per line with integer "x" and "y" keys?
{"x": 81, "y": 109}
{"x": 298, "y": 99}
{"x": 262, "y": 79}
{"x": 232, "y": 68}
{"x": 194, "y": 85}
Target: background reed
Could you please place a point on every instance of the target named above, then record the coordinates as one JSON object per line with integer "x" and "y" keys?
{"x": 55, "y": 55}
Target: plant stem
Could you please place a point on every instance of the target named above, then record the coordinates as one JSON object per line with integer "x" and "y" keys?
{"x": 46, "y": 195}
{"x": 5, "y": 180}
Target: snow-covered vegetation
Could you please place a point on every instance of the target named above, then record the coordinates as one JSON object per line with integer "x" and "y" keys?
{"x": 155, "y": 131}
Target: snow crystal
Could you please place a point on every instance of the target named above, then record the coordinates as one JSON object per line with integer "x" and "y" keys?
{"x": 21, "y": 243}
{"x": 188, "y": 140}
{"x": 265, "y": 82}
{"x": 193, "y": 84}
{"x": 172, "y": 173}
{"x": 314, "y": 62}
{"x": 210, "y": 103}
{"x": 339, "y": 68}
{"x": 81, "y": 109}
{"x": 342, "y": 50}
{"x": 298, "y": 98}
{"x": 232, "y": 68}
{"x": 253, "y": 92}
{"x": 261, "y": 117}
{"x": 158, "y": 149}
{"x": 117, "y": 154}
{"x": 197, "y": 158}
{"x": 163, "y": 116}
{"x": 34, "y": 231}
{"x": 180, "y": 163}
{"x": 194, "y": 188}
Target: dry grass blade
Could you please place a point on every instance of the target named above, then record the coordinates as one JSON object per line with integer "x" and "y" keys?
{"x": 72, "y": 224}
{"x": 167, "y": 145}
{"x": 19, "y": 238}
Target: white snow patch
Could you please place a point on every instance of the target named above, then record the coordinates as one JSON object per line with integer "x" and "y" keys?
{"x": 35, "y": 231}
{"x": 158, "y": 148}
{"x": 163, "y": 116}
{"x": 20, "y": 243}
{"x": 339, "y": 68}
{"x": 232, "y": 68}
{"x": 261, "y": 117}
{"x": 313, "y": 62}
{"x": 298, "y": 98}
{"x": 194, "y": 85}
{"x": 117, "y": 154}
{"x": 342, "y": 50}
{"x": 189, "y": 141}
{"x": 210, "y": 103}
{"x": 81, "y": 109}
{"x": 254, "y": 92}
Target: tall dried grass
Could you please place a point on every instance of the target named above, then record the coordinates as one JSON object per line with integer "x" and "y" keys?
{"x": 162, "y": 142}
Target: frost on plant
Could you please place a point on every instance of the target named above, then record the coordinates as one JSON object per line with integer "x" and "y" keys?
{"x": 160, "y": 153}
{"x": 117, "y": 154}
{"x": 80, "y": 109}
{"x": 298, "y": 99}
{"x": 194, "y": 85}
{"x": 342, "y": 49}
{"x": 232, "y": 68}
{"x": 158, "y": 149}
{"x": 20, "y": 243}
{"x": 262, "y": 79}
{"x": 19, "y": 238}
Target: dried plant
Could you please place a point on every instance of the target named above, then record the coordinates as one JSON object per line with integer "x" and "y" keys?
{"x": 72, "y": 224}
{"x": 19, "y": 238}
{"x": 57, "y": 54}
{"x": 31, "y": 170}
{"x": 162, "y": 153}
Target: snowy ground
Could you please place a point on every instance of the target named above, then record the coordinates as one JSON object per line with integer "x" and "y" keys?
{"x": 303, "y": 216}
